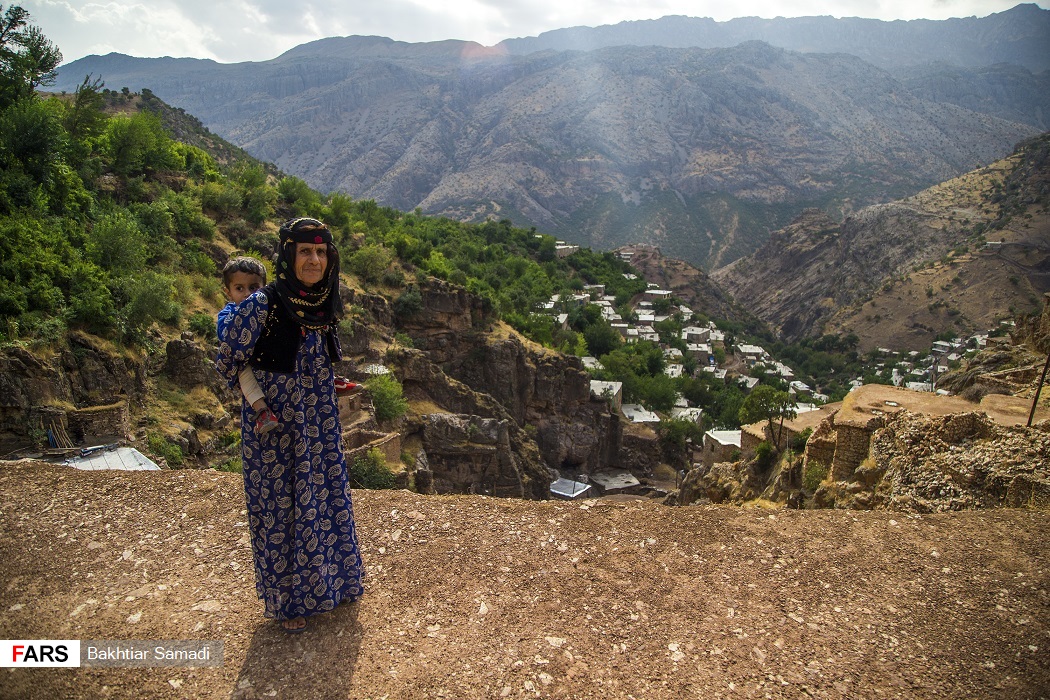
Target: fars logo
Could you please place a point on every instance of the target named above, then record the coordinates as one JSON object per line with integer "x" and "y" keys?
{"x": 39, "y": 653}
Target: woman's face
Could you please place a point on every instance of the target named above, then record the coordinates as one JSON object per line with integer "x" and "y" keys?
{"x": 311, "y": 261}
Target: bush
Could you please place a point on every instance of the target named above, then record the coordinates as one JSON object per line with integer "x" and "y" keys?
{"x": 203, "y": 325}
{"x": 798, "y": 443}
{"x": 233, "y": 465}
{"x": 815, "y": 472}
{"x": 409, "y": 303}
{"x": 394, "y": 278}
{"x": 765, "y": 454}
{"x": 387, "y": 398}
{"x": 369, "y": 263}
{"x": 369, "y": 471}
{"x": 164, "y": 448}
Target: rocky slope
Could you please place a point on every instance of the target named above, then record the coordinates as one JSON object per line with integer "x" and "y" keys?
{"x": 691, "y": 285}
{"x": 959, "y": 256}
{"x": 700, "y": 151}
{"x": 474, "y": 597}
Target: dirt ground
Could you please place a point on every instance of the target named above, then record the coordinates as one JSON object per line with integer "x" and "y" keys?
{"x": 474, "y": 597}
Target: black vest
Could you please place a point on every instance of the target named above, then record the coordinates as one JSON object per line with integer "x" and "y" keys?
{"x": 278, "y": 344}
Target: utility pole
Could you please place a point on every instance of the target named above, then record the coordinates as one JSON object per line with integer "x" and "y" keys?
{"x": 1042, "y": 378}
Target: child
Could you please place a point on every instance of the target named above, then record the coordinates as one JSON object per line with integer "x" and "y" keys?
{"x": 241, "y": 277}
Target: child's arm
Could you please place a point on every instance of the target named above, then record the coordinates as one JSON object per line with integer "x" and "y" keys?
{"x": 250, "y": 388}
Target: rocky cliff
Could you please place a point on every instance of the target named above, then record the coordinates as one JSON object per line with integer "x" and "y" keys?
{"x": 470, "y": 366}
{"x": 61, "y": 391}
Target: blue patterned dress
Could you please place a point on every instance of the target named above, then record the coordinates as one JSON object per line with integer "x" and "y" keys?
{"x": 300, "y": 512}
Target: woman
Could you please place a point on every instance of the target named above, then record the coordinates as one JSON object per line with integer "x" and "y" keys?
{"x": 304, "y": 542}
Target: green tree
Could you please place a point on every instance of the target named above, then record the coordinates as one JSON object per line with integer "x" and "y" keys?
{"x": 84, "y": 117}
{"x": 28, "y": 59}
{"x": 766, "y": 403}
{"x": 369, "y": 263}
{"x": 138, "y": 144}
{"x": 601, "y": 338}
{"x": 116, "y": 243}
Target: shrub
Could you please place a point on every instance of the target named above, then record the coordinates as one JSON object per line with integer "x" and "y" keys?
{"x": 369, "y": 471}
{"x": 798, "y": 443}
{"x": 765, "y": 454}
{"x": 233, "y": 464}
{"x": 369, "y": 263}
{"x": 393, "y": 278}
{"x": 203, "y": 325}
{"x": 164, "y": 448}
{"x": 814, "y": 473}
{"x": 387, "y": 398}
{"x": 409, "y": 303}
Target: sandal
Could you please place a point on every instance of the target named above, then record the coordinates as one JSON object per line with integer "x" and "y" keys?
{"x": 293, "y": 630}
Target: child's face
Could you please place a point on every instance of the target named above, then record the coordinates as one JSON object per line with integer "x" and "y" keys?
{"x": 242, "y": 284}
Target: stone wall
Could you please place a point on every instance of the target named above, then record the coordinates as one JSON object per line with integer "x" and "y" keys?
{"x": 852, "y": 445}
{"x": 357, "y": 442}
{"x": 820, "y": 448}
{"x": 715, "y": 452}
{"x": 750, "y": 439}
{"x": 99, "y": 425}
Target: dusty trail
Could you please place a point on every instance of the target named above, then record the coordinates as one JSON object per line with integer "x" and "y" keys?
{"x": 473, "y": 597}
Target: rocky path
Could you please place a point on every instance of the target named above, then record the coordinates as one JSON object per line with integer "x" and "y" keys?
{"x": 473, "y": 597}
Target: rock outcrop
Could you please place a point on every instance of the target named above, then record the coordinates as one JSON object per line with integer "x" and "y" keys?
{"x": 468, "y": 366}
{"x": 469, "y": 454}
{"x": 903, "y": 461}
{"x": 37, "y": 392}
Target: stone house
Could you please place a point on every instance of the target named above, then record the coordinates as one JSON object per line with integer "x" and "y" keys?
{"x": 721, "y": 446}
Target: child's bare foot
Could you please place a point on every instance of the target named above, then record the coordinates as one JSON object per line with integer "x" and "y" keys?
{"x": 265, "y": 422}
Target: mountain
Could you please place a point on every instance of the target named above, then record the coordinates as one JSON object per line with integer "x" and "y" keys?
{"x": 700, "y": 151}
{"x": 960, "y": 256}
{"x": 1019, "y": 36}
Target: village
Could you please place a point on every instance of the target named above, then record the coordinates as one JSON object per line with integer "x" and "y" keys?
{"x": 730, "y": 362}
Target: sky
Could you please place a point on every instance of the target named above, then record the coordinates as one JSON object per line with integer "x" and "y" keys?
{"x": 231, "y": 31}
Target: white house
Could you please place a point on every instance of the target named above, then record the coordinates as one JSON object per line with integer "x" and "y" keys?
{"x": 638, "y": 414}
{"x": 591, "y": 363}
{"x": 720, "y": 446}
{"x": 695, "y": 334}
{"x": 751, "y": 353}
{"x": 748, "y": 383}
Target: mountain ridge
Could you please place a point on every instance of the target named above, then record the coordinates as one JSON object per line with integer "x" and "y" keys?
{"x": 965, "y": 39}
{"x": 615, "y": 146}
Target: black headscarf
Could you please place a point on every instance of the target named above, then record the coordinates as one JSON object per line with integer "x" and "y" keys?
{"x": 315, "y": 306}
